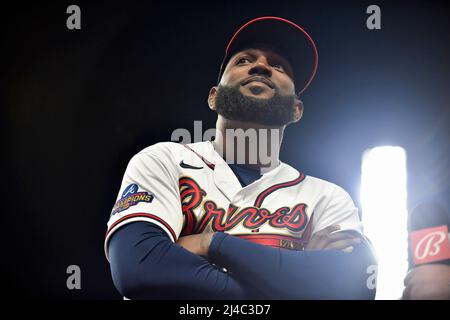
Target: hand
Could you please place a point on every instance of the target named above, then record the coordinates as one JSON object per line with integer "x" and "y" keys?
{"x": 329, "y": 239}
{"x": 429, "y": 281}
{"x": 197, "y": 243}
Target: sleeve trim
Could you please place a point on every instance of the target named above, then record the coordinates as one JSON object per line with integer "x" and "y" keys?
{"x": 138, "y": 217}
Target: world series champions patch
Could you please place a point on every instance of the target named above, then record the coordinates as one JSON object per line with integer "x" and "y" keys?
{"x": 131, "y": 197}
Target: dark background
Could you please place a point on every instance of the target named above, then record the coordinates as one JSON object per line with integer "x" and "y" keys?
{"x": 77, "y": 104}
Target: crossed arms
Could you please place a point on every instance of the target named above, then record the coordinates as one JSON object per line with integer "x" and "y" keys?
{"x": 146, "y": 264}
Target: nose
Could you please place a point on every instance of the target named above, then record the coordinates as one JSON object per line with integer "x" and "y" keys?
{"x": 261, "y": 67}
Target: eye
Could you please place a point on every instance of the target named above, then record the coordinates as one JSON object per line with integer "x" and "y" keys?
{"x": 243, "y": 60}
{"x": 278, "y": 67}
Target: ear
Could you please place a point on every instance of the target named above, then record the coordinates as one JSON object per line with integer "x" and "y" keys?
{"x": 212, "y": 98}
{"x": 298, "y": 110}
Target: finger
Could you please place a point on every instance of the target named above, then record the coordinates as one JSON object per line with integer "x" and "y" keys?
{"x": 319, "y": 239}
{"x": 322, "y": 239}
{"x": 327, "y": 230}
{"x": 354, "y": 238}
{"x": 342, "y": 244}
{"x": 317, "y": 243}
{"x": 342, "y": 235}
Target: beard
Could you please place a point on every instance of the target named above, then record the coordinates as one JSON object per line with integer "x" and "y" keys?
{"x": 275, "y": 111}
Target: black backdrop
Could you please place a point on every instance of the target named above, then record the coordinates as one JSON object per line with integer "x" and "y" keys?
{"x": 78, "y": 104}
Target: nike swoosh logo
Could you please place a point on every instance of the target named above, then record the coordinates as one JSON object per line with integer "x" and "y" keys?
{"x": 188, "y": 166}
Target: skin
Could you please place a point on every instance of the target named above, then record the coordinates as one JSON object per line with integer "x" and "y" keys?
{"x": 278, "y": 72}
{"x": 242, "y": 66}
{"x": 428, "y": 282}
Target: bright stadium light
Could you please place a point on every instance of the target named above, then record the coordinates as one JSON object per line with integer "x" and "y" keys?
{"x": 384, "y": 214}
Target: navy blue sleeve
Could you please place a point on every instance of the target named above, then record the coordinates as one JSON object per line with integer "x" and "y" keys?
{"x": 286, "y": 274}
{"x": 146, "y": 264}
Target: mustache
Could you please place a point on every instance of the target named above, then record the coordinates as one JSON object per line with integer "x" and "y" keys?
{"x": 262, "y": 79}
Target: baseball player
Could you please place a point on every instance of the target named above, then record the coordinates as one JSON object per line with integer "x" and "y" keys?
{"x": 212, "y": 220}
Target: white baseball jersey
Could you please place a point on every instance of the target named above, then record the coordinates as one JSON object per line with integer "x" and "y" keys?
{"x": 187, "y": 189}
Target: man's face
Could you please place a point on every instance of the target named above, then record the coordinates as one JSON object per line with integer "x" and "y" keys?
{"x": 257, "y": 87}
{"x": 259, "y": 73}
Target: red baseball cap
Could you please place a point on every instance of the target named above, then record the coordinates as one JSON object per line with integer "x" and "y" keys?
{"x": 282, "y": 36}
